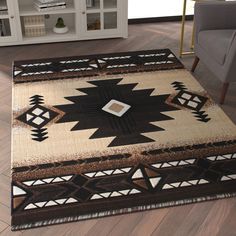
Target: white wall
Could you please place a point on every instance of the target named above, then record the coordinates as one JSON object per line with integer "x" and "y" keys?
{"x": 157, "y": 8}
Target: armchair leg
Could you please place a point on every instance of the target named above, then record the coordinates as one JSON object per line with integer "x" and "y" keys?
{"x": 195, "y": 63}
{"x": 223, "y": 92}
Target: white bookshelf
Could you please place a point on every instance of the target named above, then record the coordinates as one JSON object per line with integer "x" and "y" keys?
{"x": 102, "y": 19}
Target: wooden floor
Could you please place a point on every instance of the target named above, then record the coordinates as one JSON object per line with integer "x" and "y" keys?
{"x": 207, "y": 218}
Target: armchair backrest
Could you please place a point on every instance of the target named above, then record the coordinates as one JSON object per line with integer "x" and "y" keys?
{"x": 214, "y": 15}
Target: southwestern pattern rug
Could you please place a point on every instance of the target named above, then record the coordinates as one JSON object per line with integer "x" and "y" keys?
{"x": 107, "y": 134}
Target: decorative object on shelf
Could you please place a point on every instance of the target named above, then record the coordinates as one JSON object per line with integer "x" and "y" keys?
{"x": 96, "y": 25}
{"x": 34, "y": 26}
{"x": 114, "y": 133}
{"x": 89, "y": 3}
{"x": 60, "y": 27}
{"x": 42, "y": 5}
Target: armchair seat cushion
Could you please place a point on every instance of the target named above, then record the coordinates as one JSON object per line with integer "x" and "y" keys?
{"x": 216, "y": 43}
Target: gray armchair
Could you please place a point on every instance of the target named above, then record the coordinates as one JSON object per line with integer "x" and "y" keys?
{"x": 215, "y": 40}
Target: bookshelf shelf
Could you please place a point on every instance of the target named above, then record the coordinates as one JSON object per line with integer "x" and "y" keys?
{"x": 4, "y": 16}
{"x": 29, "y": 10}
{"x": 51, "y": 36}
{"x": 85, "y": 19}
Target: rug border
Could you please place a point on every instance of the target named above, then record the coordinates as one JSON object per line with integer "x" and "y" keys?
{"x": 96, "y": 72}
{"x": 17, "y": 62}
{"x": 122, "y": 211}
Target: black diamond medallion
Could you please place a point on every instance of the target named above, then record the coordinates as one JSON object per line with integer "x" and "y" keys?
{"x": 190, "y": 100}
{"x": 37, "y": 116}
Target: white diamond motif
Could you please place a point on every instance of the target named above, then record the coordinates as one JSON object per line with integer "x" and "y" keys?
{"x": 192, "y": 104}
{"x": 37, "y": 111}
{"x": 186, "y": 96}
{"x": 119, "y": 109}
{"x": 38, "y": 121}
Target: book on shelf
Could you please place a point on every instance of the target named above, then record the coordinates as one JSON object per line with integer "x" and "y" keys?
{"x": 50, "y": 8}
{"x": 51, "y": 4}
{"x": 46, "y": 1}
{"x": 33, "y": 21}
{"x": 34, "y": 26}
{"x": 55, "y": 5}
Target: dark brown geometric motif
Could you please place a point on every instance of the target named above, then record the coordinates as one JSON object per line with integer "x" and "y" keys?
{"x": 87, "y": 110}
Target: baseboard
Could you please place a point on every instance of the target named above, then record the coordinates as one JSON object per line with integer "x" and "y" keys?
{"x": 158, "y": 19}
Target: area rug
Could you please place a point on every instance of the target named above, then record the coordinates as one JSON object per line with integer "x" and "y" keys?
{"x": 107, "y": 134}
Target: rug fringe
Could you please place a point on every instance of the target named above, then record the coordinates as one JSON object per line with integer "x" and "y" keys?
{"x": 121, "y": 211}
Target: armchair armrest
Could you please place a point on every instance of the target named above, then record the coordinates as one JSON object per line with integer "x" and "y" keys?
{"x": 230, "y": 62}
{"x": 214, "y": 15}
